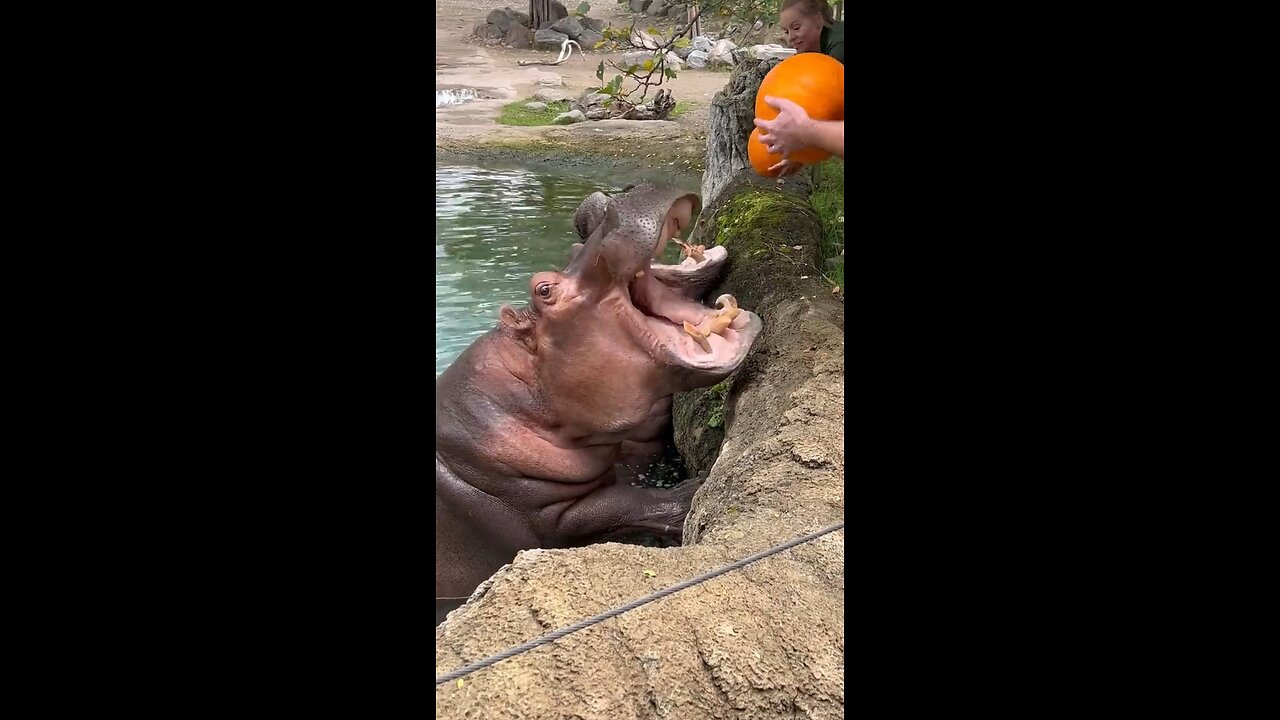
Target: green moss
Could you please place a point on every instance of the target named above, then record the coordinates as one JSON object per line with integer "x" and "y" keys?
{"x": 681, "y": 108}
{"x": 714, "y": 401}
{"x": 756, "y": 221}
{"x": 828, "y": 201}
{"x": 763, "y": 227}
{"x": 517, "y": 114}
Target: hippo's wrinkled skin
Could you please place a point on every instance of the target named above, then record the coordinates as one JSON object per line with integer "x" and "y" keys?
{"x": 532, "y": 417}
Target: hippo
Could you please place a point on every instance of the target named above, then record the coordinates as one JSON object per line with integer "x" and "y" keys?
{"x": 532, "y": 417}
{"x": 691, "y": 277}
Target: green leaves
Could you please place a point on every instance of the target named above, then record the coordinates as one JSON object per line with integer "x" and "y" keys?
{"x": 612, "y": 87}
{"x": 682, "y": 42}
{"x": 583, "y": 8}
{"x": 669, "y": 72}
{"x": 648, "y": 65}
{"x": 600, "y": 68}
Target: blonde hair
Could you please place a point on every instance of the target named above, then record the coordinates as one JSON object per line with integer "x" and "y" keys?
{"x": 812, "y": 7}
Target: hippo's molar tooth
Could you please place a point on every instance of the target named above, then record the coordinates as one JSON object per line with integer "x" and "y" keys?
{"x": 697, "y": 335}
{"x": 718, "y": 324}
{"x": 640, "y": 274}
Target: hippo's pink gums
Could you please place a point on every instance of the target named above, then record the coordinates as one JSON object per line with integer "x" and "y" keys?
{"x": 532, "y": 419}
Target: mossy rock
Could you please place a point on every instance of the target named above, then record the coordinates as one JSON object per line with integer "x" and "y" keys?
{"x": 760, "y": 225}
{"x": 700, "y": 416}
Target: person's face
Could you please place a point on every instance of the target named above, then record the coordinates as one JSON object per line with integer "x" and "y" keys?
{"x": 803, "y": 31}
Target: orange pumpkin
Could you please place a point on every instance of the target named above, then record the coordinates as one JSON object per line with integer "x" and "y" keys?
{"x": 760, "y": 157}
{"x": 811, "y": 80}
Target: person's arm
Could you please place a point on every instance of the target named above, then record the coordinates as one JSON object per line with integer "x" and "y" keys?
{"x": 794, "y": 130}
{"x": 827, "y": 136}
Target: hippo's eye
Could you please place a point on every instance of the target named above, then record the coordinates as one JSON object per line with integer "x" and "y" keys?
{"x": 544, "y": 289}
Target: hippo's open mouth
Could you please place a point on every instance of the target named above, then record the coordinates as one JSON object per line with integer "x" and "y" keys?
{"x": 698, "y": 268}
{"x": 698, "y": 337}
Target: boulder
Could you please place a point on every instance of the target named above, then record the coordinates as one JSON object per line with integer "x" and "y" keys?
{"x": 493, "y": 32}
{"x": 549, "y": 39}
{"x": 674, "y": 61}
{"x": 770, "y": 52}
{"x": 558, "y": 10}
{"x": 636, "y": 57}
{"x": 535, "y": 106}
{"x": 657, "y": 7}
{"x": 506, "y": 18}
{"x": 593, "y": 23}
{"x": 480, "y": 30}
{"x": 589, "y": 38}
{"x": 697, "y": 59}
{"x": 550, "y": 95}
{"x": 638, "y": 5}
{"x": 721, "y": 53}
{"x": 568, "y": 118}
{"x": 520, "y": 37}
{"x": 569, "y": 26}
{"x": 703, "y": 43}
{"x": 682, "y": 52}
{"x": 550, "y": 80}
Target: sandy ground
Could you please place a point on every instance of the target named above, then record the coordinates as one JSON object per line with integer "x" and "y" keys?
{"x": 463, "y": 61}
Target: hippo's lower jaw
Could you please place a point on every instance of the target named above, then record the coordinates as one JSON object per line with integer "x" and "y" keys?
{"x": 680, "y": 332}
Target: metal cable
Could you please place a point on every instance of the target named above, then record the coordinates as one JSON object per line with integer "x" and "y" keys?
{"x": 557, "y": 634}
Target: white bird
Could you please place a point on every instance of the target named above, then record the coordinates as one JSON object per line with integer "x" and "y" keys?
{"x": 566, "y": 51}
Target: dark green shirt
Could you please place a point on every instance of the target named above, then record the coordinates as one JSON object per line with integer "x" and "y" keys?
{"x": 832, "y": 41}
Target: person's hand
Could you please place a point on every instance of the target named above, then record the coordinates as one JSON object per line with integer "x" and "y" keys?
{"x": 786, "y": 133}
{"x": 786, "y": 167}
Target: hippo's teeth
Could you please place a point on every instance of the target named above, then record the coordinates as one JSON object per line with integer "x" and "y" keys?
{"x": 729, "y": 310}
{"x": 640, "y": 274}
{"x": 719, "y": 324}
{"x": 697, "y": 335}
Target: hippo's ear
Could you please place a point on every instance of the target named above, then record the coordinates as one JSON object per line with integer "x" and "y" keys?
{"x": 520, "y": 324}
